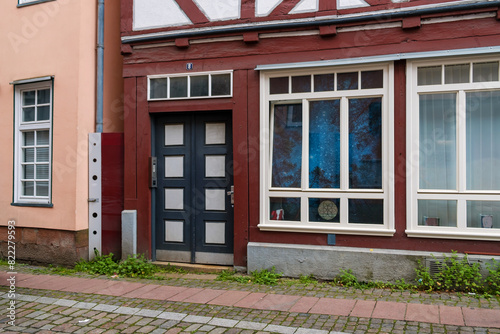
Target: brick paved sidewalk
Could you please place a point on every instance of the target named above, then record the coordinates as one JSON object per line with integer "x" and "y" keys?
{"x": 458, "y": 316}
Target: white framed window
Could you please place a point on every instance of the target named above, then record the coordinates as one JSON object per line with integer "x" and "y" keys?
{"x": 326, "y": 150}
{"x": 453, "y": 148}
{"x": 33, "y": 143}
{"x": 190, "y": 86}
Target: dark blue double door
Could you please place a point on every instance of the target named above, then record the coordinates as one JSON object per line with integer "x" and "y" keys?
{"x": 194, "y": 212}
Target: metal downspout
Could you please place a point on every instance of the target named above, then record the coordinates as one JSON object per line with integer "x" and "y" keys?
{"x": 100, "y": 66}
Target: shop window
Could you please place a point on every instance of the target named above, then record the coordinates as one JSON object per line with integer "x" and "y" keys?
{"x": 327, "y": 153}
{"x": 33, "y": 143}
{"x": 453, "y": 146}
{"x": 194, "y": 86}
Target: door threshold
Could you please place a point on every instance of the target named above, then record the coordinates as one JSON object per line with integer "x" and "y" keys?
{"x": 193, "y": 267}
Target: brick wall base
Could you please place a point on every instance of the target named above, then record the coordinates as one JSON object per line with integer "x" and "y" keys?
{"x": 45, "y": 246}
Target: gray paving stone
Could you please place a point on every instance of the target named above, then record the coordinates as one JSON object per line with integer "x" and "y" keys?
{"x": 127, "y": 310}
{"x": 148, "y": 313}
{"x": 84, "y": 305}
{"x": 223, "y": 322}
{"x": 310, "y": 331}
{"x": 46, "y": 300}
{"x": 26, "y": 298}
{"x": 250, "y": 325}
{"x": 280, "y": 329}
{"x": 197, "y": 319}
{"x": 172, "y": 316}
{"x": 105, "y": 307}
{"x": 65, "y": 302}
{"x": 159, "y": 331}
{"x": 43, "y": 316}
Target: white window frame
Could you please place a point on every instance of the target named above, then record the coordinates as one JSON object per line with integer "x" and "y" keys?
{"x": 188, "y": 76}
{"x": 20, "y": 127}
{"x": 461, "y": 195}
{"x": 344, "y": 193}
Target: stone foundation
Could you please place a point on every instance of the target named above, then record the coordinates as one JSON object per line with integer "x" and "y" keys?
{"x": 45, "y": 246}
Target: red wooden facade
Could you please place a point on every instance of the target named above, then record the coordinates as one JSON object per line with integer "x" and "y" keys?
{"x": 391, "y": 32}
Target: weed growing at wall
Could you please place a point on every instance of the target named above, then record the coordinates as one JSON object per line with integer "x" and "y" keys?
{"x": 264, "y": 276}
{"x": 458, "y": 275}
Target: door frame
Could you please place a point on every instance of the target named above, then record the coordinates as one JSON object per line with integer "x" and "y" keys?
{"x": 196, "y": 256}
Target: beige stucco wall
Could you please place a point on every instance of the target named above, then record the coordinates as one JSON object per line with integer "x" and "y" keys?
{"x": 53, "y": 38}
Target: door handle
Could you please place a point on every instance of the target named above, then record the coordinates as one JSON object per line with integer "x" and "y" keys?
{"x": 231, "y": 193}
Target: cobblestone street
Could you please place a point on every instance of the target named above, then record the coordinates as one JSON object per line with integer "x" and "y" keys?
{"x": 198, "y": 303}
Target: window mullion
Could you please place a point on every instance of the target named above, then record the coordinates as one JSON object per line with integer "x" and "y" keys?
{"x": 305, "y": 159}
{"x": 344, "y": 143}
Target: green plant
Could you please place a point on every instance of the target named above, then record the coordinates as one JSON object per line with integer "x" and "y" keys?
{"x": 100, "y": 265}
{"x": 424, "y": 279}
{"x": 136, "y": 266}
{"x": 229, "y": 275}
{"x": 266, "y": 277}
{"x": 308, "y": 279}
{"x": 347, "y": 278}
{"x": 492, "y": 282}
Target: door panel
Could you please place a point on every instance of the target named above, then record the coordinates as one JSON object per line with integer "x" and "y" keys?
{"x": 194, "y": 214}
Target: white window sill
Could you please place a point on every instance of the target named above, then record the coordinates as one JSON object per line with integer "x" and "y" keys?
{"x": 451, "y": 233}
{"x": 302, "y": 228}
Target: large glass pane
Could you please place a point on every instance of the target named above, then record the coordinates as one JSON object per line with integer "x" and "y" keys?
{"x": 372, "y": 79}
{"x": 347, "y": 81}
{"x": 221, "y": 84}
{"x": 458, "y": 73}
{"x": 324, "y": 210}
{"x": 281, "y": 208}
{"x": 43, "y": 96}
{"x": 483, "y": 140}
{"x": 324, "y": 144}
{"x": 29, "y": 114}
{"x": 483, "y": 72}
{"x": 158, "y": 88}
{"x": 278, "y": 85}
{"x": 324, "y": 82}
{"x": 287, "y": 146}
{"x": 437, "y": 213}
{"x": 301, "y": 84}
{"x": 178, "y": 87}
{"x": 429, "y": 75}
{"x": 365, "y": 143}
{"x": 366, "y": 211}
{"x": 483, "y": 214}
{"x": 29, "y": 98}
{"x": 199, "y": 85}
{"x": 438, "y": 142}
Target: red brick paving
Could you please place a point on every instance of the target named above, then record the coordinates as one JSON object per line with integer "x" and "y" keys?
{"x": 333, "y": 306}
{"x": 276, "y": 302}
{"x": 304, "y": 304}
{"x": 119, "y": 288}
{"x": 363, "y": 309}
{"x": 449, "y": 315}
{"x": 163, "y": 292}
{"x": 229, "y": 298}
{"x": 389, "y": 310}
{"x": 250, "y": 299}
{"x": 481, "y": 317}
{"x": 180, "y": 297}
{"x": 422, "y": 313}
{"x": 204, "y": 296}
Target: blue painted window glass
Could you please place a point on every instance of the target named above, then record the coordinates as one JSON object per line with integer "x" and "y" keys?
{"x": 283, "y": 208}
{"x": 287, "y": 146}
{"x": 347, "y": 81}
{"x": 365, "y": 143}
{"x": 324, "y": 144}
{"x": 324, "y": 210}
{"x": 324, "y": 82}
{"x": 366, "y": 211}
